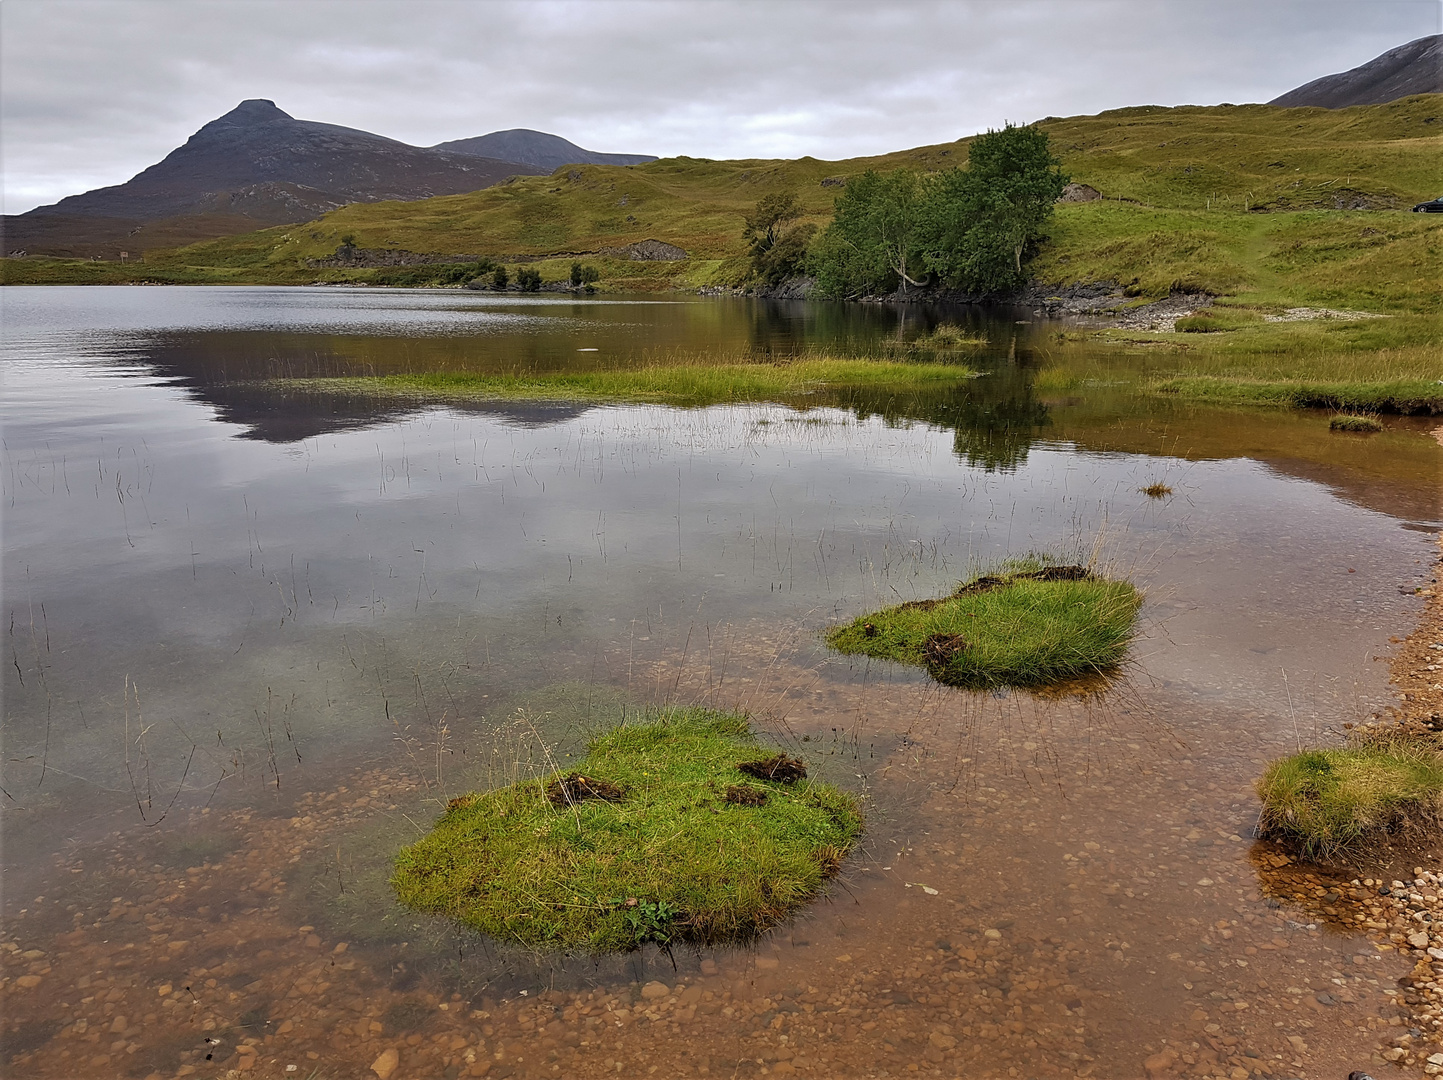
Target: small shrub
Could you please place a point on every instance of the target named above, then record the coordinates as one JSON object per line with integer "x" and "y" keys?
{"x": 528, "y": 279}
{"x": 1354, "y": 422}
{"x": 1156, "y": 490}
{"x": 1201, "y": 323}
{"x": 499, "y": 278}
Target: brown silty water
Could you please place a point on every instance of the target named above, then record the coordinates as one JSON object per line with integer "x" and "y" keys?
{"x": 1061, "y": 886}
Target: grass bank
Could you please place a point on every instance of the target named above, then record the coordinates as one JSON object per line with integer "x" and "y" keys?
{"x": 1326, "y": 802}
{"x": 657, "y": 835}
{"x": 685, "y": 381}
{"x": 1024, "y": 625}
{"x": 1392, "y": 364}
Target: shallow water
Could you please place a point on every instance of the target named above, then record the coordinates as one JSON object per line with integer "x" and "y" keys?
{"x": 257, "y": 640}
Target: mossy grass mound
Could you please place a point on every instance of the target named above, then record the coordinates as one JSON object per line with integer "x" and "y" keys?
{"x": 1328, "y": 801}
{"x": 672, "y": 859}
{"x": 1355, "y": 422}
{"x": 1024, "y": 625}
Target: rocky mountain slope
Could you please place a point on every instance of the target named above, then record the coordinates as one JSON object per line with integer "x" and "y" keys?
{"x": 1414, "y": 68}
{"x": 258, "y": 166}
{"x": 538, "y": 149}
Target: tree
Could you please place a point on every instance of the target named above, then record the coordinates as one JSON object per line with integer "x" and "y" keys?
{"x": 778, "y": 247}
{"x": 528, "y": 279}
{"x": 875, "y": 239}
{"x": 984, "y": 221}
{"x": 499, "y": 278}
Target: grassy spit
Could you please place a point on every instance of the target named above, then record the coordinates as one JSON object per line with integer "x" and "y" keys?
{"x": 1328, "y": 801}
{"x": 674, "y": 858}
{"x": 683, "y": 380}
{"x": 1026, "y": 625}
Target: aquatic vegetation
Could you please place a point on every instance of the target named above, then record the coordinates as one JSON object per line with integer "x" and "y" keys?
{"x": 682, "y": 380}
{"x": 1156, "y": 490}
{"x": 1027, "y": 624}
{"x": 1355, "y": 422}
{"x": 1326, "y": 801}
{"x": 654, "y": 837}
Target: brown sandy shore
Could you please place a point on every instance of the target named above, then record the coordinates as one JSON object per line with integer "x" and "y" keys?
{"x": 166, "y": 969}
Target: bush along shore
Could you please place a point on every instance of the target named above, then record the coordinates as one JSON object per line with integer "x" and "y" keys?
{"x": 1027, "y": 624}
{"x": 680, "y": 829}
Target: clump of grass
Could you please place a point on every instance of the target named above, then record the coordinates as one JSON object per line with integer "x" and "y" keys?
{"x": 1024, "y": 625}
{"x": 950, "y": 336}
{"x": 1156, "y": 490}
{"x": 673, "y": 860}
{"x": 1201, "y": 323}
{"x": 1327, "y": 801}
{"x": 1354, "y": 422}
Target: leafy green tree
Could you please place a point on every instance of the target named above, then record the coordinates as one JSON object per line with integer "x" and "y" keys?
{"x": 529, "y": 279}
{"x": 778, "y": 245}
{"x": 577, "y": 275}
{"x": 499, "y": 278}
{"x": 984, "y": 221}
{"x": 874, "y": 242}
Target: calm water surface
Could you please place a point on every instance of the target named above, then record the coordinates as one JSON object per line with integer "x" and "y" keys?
{"x": 257, "y": 640}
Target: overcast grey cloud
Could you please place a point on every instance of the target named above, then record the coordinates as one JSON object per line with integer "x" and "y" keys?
{"x": 92, "y": 91}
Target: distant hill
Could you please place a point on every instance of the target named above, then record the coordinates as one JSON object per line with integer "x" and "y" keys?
{"x": 1414, "y": 68}
{"x": 253, "y": 167}
{"x": 538, "y": 149}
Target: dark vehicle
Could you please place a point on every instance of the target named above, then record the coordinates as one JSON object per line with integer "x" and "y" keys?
{"x": 1433, "y": 207}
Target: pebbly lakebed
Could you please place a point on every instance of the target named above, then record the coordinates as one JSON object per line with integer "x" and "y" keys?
{"x": 258, "y": 638}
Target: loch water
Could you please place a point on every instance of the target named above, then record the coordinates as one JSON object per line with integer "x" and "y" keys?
{"x": 257, "y": 638}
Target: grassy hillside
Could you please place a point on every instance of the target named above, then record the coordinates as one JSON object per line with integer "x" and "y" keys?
{"x": 1286, "y": 205}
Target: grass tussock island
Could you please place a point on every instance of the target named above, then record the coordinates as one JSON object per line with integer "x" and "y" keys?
{"x": 1329, "y": 802}
{"x": 681, "y": 829}
{"x": 1027, "y": 625}
{"x": 685, "y": 381}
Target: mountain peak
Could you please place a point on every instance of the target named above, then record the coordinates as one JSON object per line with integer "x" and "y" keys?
{"x": 254, "y": 111}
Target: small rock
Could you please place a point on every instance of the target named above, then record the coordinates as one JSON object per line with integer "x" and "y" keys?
{"x": 655, "y": 991}
{"x": 1418, "y": 940}
{"x": 1160, "y": 1064}
{"x": 386, "y": 1064}
{"x": 708, "y": 966}
{"x": 993, "y": 935}
{"x": 28, "y": 982}
{"x": 941, "y": 1041}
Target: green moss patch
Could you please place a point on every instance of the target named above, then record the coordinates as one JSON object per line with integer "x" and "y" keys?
{"x": 1026, "y": 626}
{"x": 1325, "y": 801}
{"x": 675, "y": 851}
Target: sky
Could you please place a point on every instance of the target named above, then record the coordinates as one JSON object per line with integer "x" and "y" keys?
{"x": 93, "y": 91}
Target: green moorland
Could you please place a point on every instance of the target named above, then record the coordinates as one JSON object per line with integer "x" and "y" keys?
{"x": 1026, "y": 625}
{"x": 658, "y": 835}
{"x": 1228, "y": 198}
{"x": 1265, "y": 209}
{"x": 1328, "y": 801}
